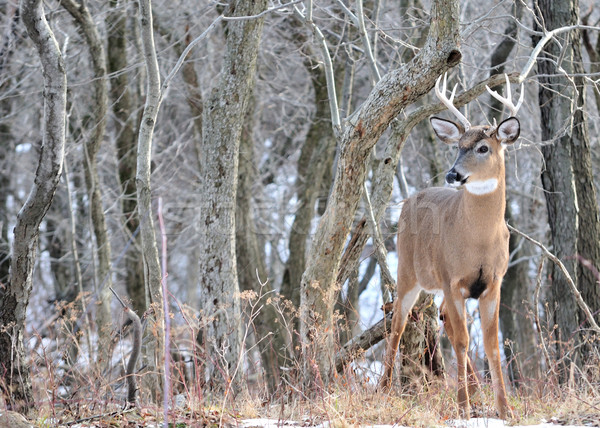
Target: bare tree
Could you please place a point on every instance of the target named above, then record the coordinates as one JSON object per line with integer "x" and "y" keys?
{"x": 126, "y": 145}
{"x": 96, "y": 126}
{"x": 223, "y": 116}
{"x": 154, "y": 352}
{"x": 16, "y": 383}
{"x": 251, "y": 267}
{"x": 567, "y": 178}
{"x": 396, "y": 90}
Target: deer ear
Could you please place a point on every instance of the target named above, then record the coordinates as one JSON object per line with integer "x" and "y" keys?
{"x": 446, "y": 130}
{"x": 508, "y": 131}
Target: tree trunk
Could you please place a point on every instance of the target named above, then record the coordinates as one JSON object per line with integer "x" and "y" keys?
{"x": 154, "y": 351}
{"x": 16, "y": 382}
{"x": 568, "y": 182}
{"x": 96, "y": 126}
{"x": 7, "y": 149}
{"x": 515, "y": 322}
{"x": 222, "y": 123}
{"x": 126, "y": 150}
{"x": 398, "y": 89}
{"x": 316, "y": 158}
{"x": 252, "y": 273}
{"x": 520, "y": 345}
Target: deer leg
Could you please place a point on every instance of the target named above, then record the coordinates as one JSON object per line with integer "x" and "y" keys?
{"x": 472, "y": 380}
{"x": 456, "y": 314}
{"x": 489, "y": 305}
{"x": 404, "y": 302}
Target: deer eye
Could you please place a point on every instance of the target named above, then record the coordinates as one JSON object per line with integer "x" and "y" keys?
{"x": 483, "y": 149}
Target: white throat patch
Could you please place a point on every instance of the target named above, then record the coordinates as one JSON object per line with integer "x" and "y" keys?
{"x": 482, "y": 187}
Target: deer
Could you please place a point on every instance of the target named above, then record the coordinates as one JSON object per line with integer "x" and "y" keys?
{"x": 454, "y": 240}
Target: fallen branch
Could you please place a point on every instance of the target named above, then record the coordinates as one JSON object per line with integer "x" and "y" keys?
{"x": 363, "y": 341}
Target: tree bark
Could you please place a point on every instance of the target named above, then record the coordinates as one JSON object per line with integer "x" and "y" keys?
{"x": 516, "y": 325}
{"x": 396, "y": 90}
{"x": 252, "y": 271}
{"x": 96, "y": 126}
{"x": 568, "y": 182}
{"x": 154, "y": 351}
{"x": 316, "y": 158}
{"x": 222, "y": 123}
{"x": 16, "y": 382}
{"x": 126, "y": 150}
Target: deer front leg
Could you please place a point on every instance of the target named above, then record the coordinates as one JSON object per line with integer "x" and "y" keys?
{"x": 456, "y": 314}
{"x": 404, "y": 302}
{"x": 489, "y": 305}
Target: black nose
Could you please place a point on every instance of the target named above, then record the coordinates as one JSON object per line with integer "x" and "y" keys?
{"x": 453, "y": 176}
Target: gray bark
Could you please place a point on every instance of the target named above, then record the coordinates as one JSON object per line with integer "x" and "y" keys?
{"x": 154, "y": 351}
{"x": 396, "y": 90}
{"x": 316, "y": 158}
{"x": 96, "y": 127}
{"x": 16, "y": 382}
{"x": 223, "y": 117}
{"x": 517, "y": 328}
{"x": 250, "y": 262}
{"x": 568, "y": 181}
{"x": 126, "y": 150}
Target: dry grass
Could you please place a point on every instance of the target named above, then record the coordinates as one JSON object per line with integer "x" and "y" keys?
{"x": 426, "y": 405}
{"x": 69, "y": 392}
{"x": 348, "y": 402}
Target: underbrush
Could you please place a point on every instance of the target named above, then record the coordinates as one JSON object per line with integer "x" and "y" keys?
{"x": 70, "y": 391}
{"x": 347, "y": 403}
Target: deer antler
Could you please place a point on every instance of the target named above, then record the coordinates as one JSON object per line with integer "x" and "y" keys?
{"x": 507, "y": 102}
{"x": 441, "y": 94}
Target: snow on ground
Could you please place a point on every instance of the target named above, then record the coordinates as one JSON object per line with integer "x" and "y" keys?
{"x": 473, "y": 423}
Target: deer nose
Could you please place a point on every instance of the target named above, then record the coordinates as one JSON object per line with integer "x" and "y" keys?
{"x": 453, "y": 176}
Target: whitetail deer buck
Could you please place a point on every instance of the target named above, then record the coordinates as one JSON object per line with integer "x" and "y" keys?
{"x": 456, "y": 241}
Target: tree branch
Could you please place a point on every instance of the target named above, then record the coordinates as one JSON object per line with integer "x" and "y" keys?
{"x": 582, "y": 305}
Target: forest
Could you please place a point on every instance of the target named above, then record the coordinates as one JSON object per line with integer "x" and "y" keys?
{"x": 200, "y": 212}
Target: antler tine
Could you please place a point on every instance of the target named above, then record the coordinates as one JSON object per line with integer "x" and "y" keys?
{"x": 507, "y": 101}
{"x": 448, "y": 102}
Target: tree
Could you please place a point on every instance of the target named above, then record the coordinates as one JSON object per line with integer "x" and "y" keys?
{"x": 96, "y": 126}
{"x": 223, "y": 119}
{"x": 16, "y": 383}
{"x": 251, "y": 268}
{"x": 126, "y": 146}
{"x": 396, "y": 90}
{"x": 567, "y": 178}
{"x": 316, "y": 158}
{"x": 154, "y": 351}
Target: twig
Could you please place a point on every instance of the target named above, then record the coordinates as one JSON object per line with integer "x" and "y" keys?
{"x": 101, "y": 415}
{"x": 549, "y": 35}
{"x": 582, "y": 305}
{"x": 375, "y": 75}
{"x": 329, "y": 77}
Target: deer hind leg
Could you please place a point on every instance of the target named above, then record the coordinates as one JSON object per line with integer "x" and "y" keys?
{"x": 472, "y": 380}
{"x": 407, "y": 296}
{"x": 489, "y": 305}
{"x": 456, "y": 314}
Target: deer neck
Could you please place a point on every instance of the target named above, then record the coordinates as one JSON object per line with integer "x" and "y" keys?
{"x": 484, "y": 204}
